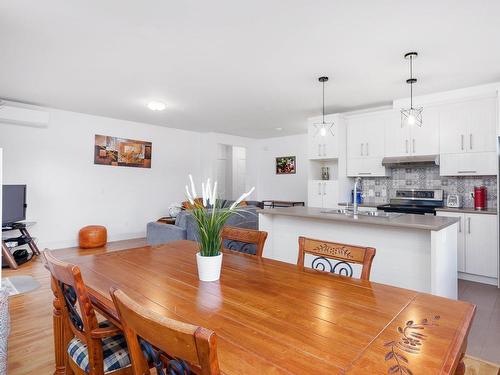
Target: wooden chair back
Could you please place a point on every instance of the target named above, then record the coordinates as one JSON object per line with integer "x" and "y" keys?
{"x": 77, "y": 310}
{"x": 342, "y": 253}
{"x": 186, "y": 205}
{"x": 195, "y": 345}
{"x": 231, "y": 236}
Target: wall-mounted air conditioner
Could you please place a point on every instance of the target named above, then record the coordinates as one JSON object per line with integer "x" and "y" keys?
{"x": 12, "y": 115}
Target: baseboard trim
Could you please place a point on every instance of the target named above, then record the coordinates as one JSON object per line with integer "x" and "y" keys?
{"x": 478, "y": 278}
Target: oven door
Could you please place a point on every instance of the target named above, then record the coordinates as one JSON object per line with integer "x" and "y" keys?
{"x": 417, "y": 210}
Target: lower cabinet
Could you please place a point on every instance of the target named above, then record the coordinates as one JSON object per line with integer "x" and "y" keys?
{"x": 323, "y": 194}
{"x": 477, "y": 243}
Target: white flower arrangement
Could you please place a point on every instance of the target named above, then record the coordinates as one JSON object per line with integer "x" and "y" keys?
{"x": 210, "y": 215}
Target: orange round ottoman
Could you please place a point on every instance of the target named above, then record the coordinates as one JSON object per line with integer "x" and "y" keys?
{"x": 92, "y": 236}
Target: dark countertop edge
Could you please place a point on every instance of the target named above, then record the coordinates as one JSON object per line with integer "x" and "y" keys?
{"x": 341, "y": 218}
{"x": 468, "y": 210}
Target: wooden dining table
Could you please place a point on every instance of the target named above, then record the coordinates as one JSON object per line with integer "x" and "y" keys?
{"x": 277, "y": 318}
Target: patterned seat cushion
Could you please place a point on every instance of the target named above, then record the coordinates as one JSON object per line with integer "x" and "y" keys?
{"x": 115, "y": 352}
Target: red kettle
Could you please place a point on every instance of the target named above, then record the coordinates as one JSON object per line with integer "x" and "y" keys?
{"x": 479, "y": 195}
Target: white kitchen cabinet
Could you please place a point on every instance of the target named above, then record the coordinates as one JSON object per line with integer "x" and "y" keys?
{"x": 365, "y": 167}
{"x": 315, "y": 194}
{"x": 365, "y": 144}
{"x": 477, "y": 243}
{"x": 412, "y": 140}
{"x": 468, "y": 126}
{"x": 461, "y": 237}
{"x": 323, "y": 194}
{"x": 481, "y": 244}
{"x": 323, "y": 146}
{"x": 365, "y": 135}
{"x": 468, "y": 164}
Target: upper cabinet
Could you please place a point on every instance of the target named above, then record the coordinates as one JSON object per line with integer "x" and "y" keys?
{"x": 365, "y": 135}
{"x": 326, "y": 145}
{"x": 412, "y": 140}
{"x": 468, "y": 126}
{"x": 468, "y": 138}
{"x": 365, "y": 144}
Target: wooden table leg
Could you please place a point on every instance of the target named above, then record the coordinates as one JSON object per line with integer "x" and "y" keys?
{"x": 461, "y": 365}
{"x": 59, "y": 350}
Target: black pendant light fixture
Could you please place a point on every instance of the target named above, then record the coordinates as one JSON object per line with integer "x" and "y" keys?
{"x": 411, "y": 116}
{"x": 324, "y": 127}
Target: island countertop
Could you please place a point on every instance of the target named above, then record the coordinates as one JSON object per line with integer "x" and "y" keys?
{"x": 424, "y": 222}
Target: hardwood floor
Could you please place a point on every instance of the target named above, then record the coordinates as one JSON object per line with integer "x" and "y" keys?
{"x": 31, "y": 344}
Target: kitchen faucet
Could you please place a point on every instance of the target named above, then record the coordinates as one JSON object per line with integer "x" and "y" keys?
{"x": 355, "y": 196}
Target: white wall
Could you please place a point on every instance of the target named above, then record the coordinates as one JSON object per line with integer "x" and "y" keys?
{"x": 66, "y": 191}
{"x": 261, "y": 168}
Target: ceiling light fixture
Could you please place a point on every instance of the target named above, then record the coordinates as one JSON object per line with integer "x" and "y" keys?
{"x": 279, "y": 129}
{"x": 323, "y": 128}
{"x": 156, "y": 106}
{"x": 411, "y": 116}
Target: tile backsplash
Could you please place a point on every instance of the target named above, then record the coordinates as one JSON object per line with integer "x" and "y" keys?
{"x": 381, "y": 189}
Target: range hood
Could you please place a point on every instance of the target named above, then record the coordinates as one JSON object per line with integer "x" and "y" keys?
{"x": 411, "y": 161}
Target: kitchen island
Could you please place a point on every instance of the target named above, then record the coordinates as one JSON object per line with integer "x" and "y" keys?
{"x": 417, "y": 252}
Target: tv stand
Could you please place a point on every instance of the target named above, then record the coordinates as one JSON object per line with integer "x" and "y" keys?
{"x": 24, "y": 239}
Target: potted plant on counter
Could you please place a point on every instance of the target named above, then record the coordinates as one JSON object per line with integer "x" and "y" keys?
{"x": 210, "y": 217}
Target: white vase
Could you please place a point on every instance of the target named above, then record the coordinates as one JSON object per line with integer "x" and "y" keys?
{"x": 209, "y": 267}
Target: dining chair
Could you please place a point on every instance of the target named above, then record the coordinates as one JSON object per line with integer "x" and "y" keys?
{"x": 249, "y": 241}
{"x": 343, "y": 256}
{"x": 186, "y": 205}
{"x": 93, "y": 348}
{"x": 186, "y": 346}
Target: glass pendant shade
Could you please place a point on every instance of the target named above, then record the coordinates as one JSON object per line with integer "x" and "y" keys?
{"x": 411, "y": 116}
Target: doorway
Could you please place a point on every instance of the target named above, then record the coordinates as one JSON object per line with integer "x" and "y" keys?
{"x": 231, "y": 171}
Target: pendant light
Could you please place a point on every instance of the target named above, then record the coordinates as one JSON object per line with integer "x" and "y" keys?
{"x": 324, "y": 127}
{"x": 411, "y": 116}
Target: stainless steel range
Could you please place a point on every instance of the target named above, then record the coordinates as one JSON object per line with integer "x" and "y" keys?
{"x": 415, "y": 201}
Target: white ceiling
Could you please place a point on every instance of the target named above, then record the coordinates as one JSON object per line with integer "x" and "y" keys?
{"x": 239, "y": 67}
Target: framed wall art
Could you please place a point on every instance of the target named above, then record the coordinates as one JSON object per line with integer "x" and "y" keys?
{"x": 285, "y": 165}
{"x": 120, "y": 152}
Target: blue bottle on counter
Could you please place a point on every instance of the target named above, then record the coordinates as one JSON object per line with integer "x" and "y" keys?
{"x": 359, "y": 196}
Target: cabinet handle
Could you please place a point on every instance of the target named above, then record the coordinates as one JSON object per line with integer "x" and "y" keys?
{"x": 324, "y": 149}
{"x": 319, "y": 188}
{"x": 406, "y": 146}
{"x": 468, "y": 224}
{"x": 365, "y": 173}
{"x": 367, "y": 152}
{"x": 459, "y": 225}
{"x": 361, "y": 153}
{"x": 324, "y": 188}
{"x": 470, "y": 141}
{"x": 462, "y": 141}
{"x": 413, "y": 141}
{"x": 319, "y": 150}
{"x": 467, "y": 171}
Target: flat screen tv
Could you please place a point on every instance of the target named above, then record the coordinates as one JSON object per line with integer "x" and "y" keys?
{"x": 13, "y": 204}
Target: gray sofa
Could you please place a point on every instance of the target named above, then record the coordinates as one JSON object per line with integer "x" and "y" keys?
{"x": 185, "y": 226}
